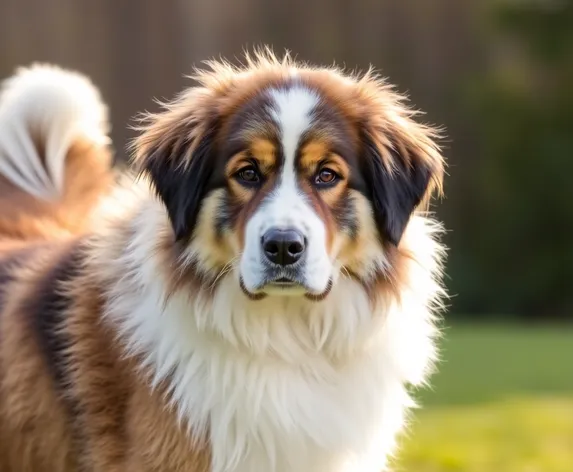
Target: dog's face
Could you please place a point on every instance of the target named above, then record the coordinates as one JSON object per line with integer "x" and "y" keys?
{"x": 288, "y": 176}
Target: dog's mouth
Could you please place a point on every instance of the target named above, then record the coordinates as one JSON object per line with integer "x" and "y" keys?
{"x": 284, "y": 282}
{"x": 285, "y": 286}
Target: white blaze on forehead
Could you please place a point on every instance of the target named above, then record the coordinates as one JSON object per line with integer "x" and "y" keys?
{"x": 292, "y": 112}
{"x": 292, "y": 109}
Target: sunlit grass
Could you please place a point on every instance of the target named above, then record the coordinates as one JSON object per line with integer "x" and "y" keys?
{"x": 502, "y": 402}
{"x": 519, "y": 435}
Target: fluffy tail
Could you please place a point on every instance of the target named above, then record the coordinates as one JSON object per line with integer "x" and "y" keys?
{"x": 44, "y": 110}
{"x": 55, "y": 161}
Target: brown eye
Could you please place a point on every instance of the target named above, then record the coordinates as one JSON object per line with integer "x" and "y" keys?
{"x": 249, "y": 175}
{"x": 326, "y": 176}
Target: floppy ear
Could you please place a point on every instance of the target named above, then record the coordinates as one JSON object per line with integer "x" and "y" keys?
{"x": 399, "y": 176}
{"x": 181, "y": 173}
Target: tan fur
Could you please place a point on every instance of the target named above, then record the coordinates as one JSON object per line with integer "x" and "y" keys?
{"x": 119, "y": 424}
{"x": 33, "y": 428}
{"x": 87, "y": 177}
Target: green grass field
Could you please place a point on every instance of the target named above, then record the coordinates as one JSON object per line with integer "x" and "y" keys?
{"x": 502, "y": 401}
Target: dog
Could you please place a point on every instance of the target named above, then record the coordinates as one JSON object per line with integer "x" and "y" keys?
{"x": 257, "y": 295}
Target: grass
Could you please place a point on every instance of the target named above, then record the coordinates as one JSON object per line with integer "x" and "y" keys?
{"x": 502, "y": 401}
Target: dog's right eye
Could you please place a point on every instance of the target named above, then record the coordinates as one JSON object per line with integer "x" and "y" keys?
{"x": 248, "y": 175}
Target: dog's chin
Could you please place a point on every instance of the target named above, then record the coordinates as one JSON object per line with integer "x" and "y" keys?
{"x": 285, "y": 288}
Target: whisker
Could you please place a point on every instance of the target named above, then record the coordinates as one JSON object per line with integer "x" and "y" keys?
{"x": 345, "y": 272}
{"x": 225, "y": 270}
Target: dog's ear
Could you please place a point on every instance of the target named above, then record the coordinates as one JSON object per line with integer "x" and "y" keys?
{"x": 401, "y": 166}
{"x": 179, "y": 164}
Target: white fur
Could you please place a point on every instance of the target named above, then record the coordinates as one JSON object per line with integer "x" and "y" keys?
{"x": 43, "y": 109}
{"x": 287, "y": 206}
{"x": 281, "y": 384}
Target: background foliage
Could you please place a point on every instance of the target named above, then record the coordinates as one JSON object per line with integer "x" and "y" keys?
{"x": 516, "y": 255}
{"x": 497, "y": 74}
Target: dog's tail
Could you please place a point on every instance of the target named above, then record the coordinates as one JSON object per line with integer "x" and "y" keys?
{"x": 54, "y": 145}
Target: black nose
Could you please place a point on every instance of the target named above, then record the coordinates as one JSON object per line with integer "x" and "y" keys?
{"x": 283, "y": 246}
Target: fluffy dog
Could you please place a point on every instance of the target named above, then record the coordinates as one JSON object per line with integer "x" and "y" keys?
{"x": 258, "y": 299}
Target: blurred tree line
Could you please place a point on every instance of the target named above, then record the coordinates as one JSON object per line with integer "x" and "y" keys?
{"x": 498, "y": 74}
{"x": 517, "y": 255}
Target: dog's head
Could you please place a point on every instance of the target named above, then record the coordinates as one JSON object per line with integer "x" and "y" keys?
{"x": 288, "y": 175}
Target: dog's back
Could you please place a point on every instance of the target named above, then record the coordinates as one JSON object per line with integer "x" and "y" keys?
{"x": 55, "y": 162}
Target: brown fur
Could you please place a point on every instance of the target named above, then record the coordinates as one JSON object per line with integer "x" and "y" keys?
{"x": 106, "y": 419}
{"x": 88, "y": 176}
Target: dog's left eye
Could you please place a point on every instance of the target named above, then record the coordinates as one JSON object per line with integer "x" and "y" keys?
{"x": 249, "y": 175}
{"x": 326, "y": 176}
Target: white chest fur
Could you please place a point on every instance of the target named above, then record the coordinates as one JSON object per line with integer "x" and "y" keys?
{"x": 288, "y": 419}
{"x": 282, "y": 384}
{"x": 285, "y": 393}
